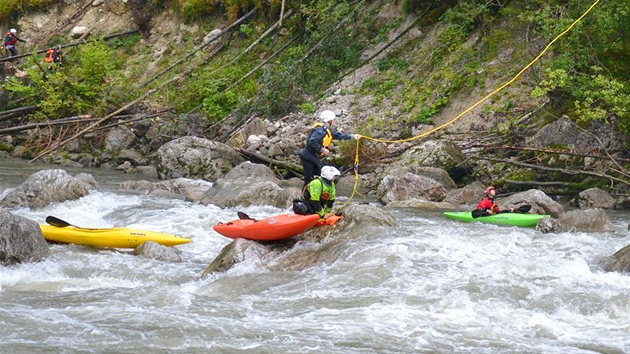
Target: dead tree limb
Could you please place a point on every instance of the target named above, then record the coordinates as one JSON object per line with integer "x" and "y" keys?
{"x": 557, "y": 169}
{"x": 270, "y": 161}
{"x": 91, "y": 126}
{"x": 77, "y": 119}
{"x": 251, "y": 46}
{"x": 72, "y": 44}
{"x": 536, "y": 183}
{"x": 16, "y": 112}
{"x": 553, "y": 151}
{"x": 196, "y": 49}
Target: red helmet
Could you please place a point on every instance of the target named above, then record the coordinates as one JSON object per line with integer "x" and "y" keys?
{"x": 489, "y": 189}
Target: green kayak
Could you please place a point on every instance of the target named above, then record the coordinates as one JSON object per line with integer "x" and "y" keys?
{"x": 513, "y": 219}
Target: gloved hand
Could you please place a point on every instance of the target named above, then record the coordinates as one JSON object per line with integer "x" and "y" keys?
{"x": 357, "y": 136}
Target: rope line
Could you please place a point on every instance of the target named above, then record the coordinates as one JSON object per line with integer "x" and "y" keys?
{"x": 444, "y": 125}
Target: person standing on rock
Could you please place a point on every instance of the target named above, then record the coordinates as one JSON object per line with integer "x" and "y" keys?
{"x": 10, "y": 39}
{"x": 317, "y": 142}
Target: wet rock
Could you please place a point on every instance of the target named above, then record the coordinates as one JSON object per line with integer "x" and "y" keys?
{"x": 21, "y": 240}
{"x": 180, "y": 188}
{"x": 45, "y": 187}
{"x": 253, "y": 171}
{"x": 620, "y": 261}
{"x": 227, "y": 193}
{"x": 119, "y": 138}
{"x": 541, "y": 203}
{"x": 195, "y": 157}
{"x": 408, "y": 186}
{"x": 588, "y": 220}
{"x": 445, "y": 155}
{"x": 274, "y": 255}
{"x": 594, "y": 198}
{"x": 153, "y": 250}
{"x": 470, "y": 194}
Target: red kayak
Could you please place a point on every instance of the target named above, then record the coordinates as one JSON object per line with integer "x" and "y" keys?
{"x": 273, "y": 228}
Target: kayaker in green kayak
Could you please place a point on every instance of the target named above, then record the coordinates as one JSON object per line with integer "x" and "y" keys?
{"x": 487, "y": 206}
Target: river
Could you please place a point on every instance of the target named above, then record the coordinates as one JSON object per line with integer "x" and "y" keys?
{"x": 428, "y": 285}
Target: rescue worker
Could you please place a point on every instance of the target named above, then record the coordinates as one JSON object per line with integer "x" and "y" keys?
{"x": 10, "y": 39}
{"x": 487, "y": 205}
{"x": 320, "y": 193}
{"x": 53, "y": 57}
{"x": 317, "y": 142}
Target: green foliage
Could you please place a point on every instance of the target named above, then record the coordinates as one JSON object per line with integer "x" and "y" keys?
{"x": 307, "y": 108}
{"x": 280, "y": 91}
{"x": 80, "y": 88}
{"x": 9, "y": 8}
{"x": 588, "y": 71}
{"x": 6, "y": 9}
{"x": 218, "y": 104}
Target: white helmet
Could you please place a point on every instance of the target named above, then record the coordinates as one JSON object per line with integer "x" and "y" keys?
{"x": 13, "y": 31}
{"x": 327, "y": 116}
{"x": 330, "y": 172}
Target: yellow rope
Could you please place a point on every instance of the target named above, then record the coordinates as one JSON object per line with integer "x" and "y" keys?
{"x": 509, "y": 82}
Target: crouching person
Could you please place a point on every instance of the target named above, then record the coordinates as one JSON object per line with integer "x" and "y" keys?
{"x": 319, "y": 195}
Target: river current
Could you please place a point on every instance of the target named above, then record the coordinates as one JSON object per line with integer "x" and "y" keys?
{"x": 428, "y": 285}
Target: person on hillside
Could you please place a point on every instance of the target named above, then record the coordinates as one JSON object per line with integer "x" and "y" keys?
{"x": 10, "y": 39}
{"x": 53, "y": 58}
{"x": 320, "y": 193}
{"x": 488, "y": 206}
{"x": 317, "y": 142}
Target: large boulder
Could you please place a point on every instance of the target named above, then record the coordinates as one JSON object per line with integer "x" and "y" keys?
{"x": 249, "y": 183}
{"x": 405, "y": 186}
{"x": 588, "y": 220}
{"x": 195, "y": 157}
{"x": 594, "y": 198}
{"x": 541, "y": 203}
{"x": 442, "y": 154}
{"x": 563, "y": 132}
{"x": 119, "y": 138}
{"x": 470, "y": 194}
{"x": 228, "y": 193}
{"x": 45, "y": 187}
{"x": 274, "y": 255}
{"x": 21, "y": 240}
{"x": 620, "y": 261}
{"x": 191, "y": 190}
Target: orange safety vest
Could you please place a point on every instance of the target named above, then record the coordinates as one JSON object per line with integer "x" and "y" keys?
{"x": 48, "y": 58}
{"x": 328, "y": 137}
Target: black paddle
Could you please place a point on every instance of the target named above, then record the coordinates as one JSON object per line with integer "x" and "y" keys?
{"x": 244, "y": 216}
{"x": 522, "y": 209}
{"x": 57, "y": 222}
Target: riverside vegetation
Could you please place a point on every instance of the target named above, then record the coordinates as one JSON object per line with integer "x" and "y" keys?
{"x": 396, "y": 69}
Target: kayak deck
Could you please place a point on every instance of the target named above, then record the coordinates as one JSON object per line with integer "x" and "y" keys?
{"x": 273, "y": 228}
{"x": 117, "y": 237}
{"x": 512, "y": 219}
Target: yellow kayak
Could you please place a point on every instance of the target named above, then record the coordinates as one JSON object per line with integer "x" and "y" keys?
{"x": 117, "y": 237}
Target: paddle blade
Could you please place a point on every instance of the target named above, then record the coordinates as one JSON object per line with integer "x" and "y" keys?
{"x": 56, "y": 222}
{"x": 524, "y": 208}
{"x": 244, "y": 216}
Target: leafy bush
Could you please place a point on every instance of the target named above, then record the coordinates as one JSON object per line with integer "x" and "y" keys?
{"x": 80, "y": 88}
{"x": 588, "y": 72}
